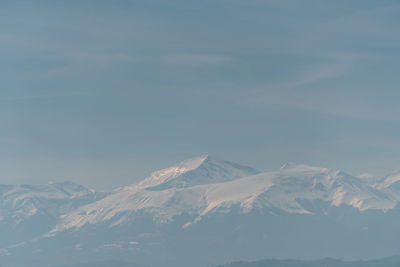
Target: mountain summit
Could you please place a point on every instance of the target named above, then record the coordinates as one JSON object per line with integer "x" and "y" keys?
{"x": 196, "y": 171}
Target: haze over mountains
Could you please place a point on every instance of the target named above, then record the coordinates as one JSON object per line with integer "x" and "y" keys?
{"x": 202, "y": 212}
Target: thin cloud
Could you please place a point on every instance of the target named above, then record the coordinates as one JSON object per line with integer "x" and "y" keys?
{"x": 33, "y": 96}
{"x": 311, "y": 91}
{"x": 193, "y": 60}
{"x": 340, "y": 65}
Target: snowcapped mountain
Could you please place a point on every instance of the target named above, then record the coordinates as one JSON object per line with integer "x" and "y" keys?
{"x": 31, "y": 210}
{"x": 166, "y": 193}
{"x": 205, "y": 185}
{"x": 210, "y": 203}
{"x": 19, "y": 202}
{"x": 390, "y": 183}
{"x": 196, "y": 171}
{"x": 24, "y": 201}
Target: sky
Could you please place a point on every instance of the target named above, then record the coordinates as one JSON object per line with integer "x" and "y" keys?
{"x": 104, "y": 92}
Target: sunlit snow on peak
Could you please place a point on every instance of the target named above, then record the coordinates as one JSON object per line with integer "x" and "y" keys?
{"x": 196, "y": 171}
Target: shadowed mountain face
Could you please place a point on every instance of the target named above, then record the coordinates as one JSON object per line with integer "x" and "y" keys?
{"x": 202, "y": 212}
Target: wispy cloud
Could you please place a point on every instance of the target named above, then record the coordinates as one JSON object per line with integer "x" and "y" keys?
{"x": 47, "y": 95}
{"x": 338, "y": 66}
{"x": 312, "y": 91}
{"x": 365, "y": 21}
{"x": 193, "y": 60}
{"x": 300, "y": 82}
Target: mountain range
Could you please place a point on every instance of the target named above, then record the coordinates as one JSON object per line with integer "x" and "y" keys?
{"x": 203, "y": 212}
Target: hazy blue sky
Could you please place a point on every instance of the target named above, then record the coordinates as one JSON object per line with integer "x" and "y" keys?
{"x": 103, "y": 92}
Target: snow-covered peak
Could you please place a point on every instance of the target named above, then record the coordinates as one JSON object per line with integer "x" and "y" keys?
{"x": 302, "y": 168}
{"x": 19, "y": 202}
{"x": 367, "y": 176}
{"x": 202, "y": 186}
{"x": 164, "y": 175}
{"x": 49, "y": 191}
{"x": 70, "y": 188}
{"x": 370, "y": 179}
{"x": 196, "y": 171}
{"x": 389, "y": 180}
{"x": 212, "y": 185}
